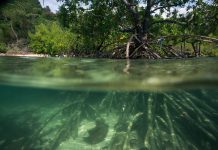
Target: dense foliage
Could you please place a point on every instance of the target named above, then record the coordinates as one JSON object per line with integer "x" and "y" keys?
{"x": 51, "y": 39}
{"x": 203, "y": 18}
{"x": 96, "y": 21}
{"x": 17, "y": 18}
{"x": 107, "y": 26}
{"x": 3, "y": 47}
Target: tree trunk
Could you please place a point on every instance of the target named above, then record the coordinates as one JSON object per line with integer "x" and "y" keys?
{"x": 15, "y": 34}
{"x": 196, "y": 48}
{"x": 136, "y": 23}
{"x": 147, "y": 17}
{"x": 141, "y": 29}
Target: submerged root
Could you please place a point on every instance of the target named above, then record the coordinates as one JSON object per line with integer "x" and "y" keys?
{"x": 155, "y": 121}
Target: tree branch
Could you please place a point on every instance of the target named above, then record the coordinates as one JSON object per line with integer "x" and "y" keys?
{"x": 128, "y": 45}
{"x": 163, "y": 7}
{"x": 200, "y": 37}
{"x": 129, "y": 29}
{"x": 129, "y": 6}
{"x": 12, "y": 29}
{"x": 135, "y": 14}
{"x": 167, "y": 21}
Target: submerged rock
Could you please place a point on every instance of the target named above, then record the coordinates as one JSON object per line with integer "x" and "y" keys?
{"x": 98, "y": 133}
{"x": 2, "y": 142}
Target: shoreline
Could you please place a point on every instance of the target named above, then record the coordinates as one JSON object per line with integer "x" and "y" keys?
{"x": 108, "y": 56}
{"x": 25, "y": 55}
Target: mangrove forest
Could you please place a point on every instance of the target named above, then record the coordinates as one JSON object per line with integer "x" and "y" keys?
{"x": 111, "y": 28}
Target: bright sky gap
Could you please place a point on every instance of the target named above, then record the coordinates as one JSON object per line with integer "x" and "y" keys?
{"x": 53, "y": 4}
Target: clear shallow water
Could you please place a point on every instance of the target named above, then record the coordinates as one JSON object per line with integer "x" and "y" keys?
{"x": 83, "y": 104}
{"x": 102, "y": 74}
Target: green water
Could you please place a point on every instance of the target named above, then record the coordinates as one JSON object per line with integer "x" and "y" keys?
{"x": 89, "y": 104}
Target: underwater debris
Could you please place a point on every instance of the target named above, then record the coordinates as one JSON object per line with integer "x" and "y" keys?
{"x": 98, "y": 133}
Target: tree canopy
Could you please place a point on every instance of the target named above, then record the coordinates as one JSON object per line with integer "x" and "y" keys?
{"x": 96, "y": 21}
{"x": 18, "y": 17}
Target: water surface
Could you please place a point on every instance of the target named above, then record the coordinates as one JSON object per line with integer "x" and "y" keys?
{"x": 84, "y": 104}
